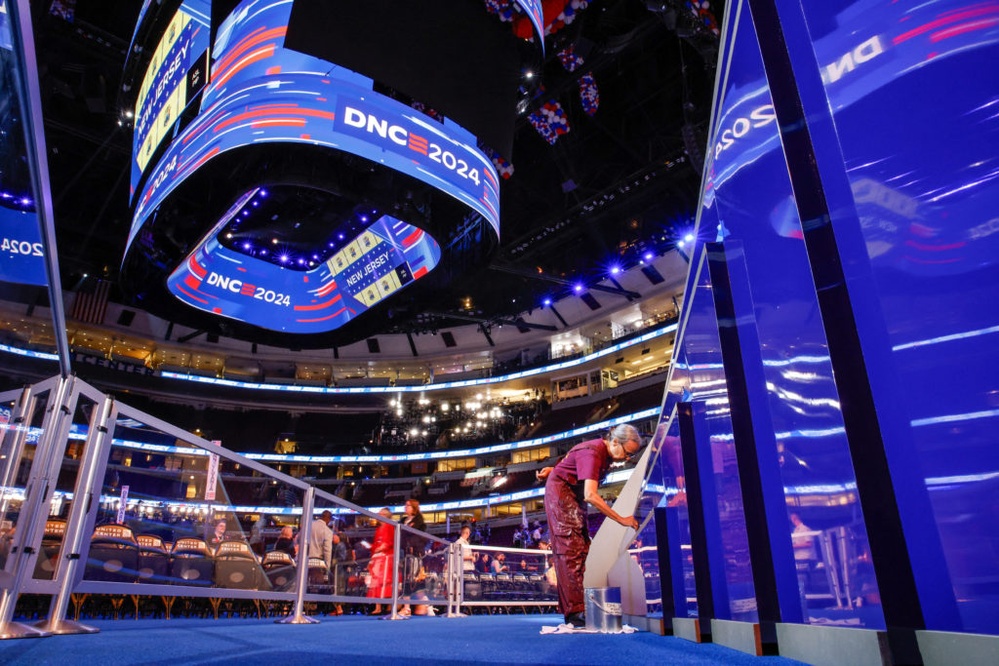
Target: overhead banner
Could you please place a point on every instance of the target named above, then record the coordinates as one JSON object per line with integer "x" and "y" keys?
{"x": 211, "y": 483}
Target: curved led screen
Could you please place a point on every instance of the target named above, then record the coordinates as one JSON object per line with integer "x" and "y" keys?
{"x": 177, "y": 70}
{"x": 261, "y": 92}
{"x": 385, "y": 257}
{"x": 271, "y": 118}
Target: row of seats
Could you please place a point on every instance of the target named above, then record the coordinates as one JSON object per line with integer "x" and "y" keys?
{"x": 507, "y": 587}
{"x": 117, "y": 555}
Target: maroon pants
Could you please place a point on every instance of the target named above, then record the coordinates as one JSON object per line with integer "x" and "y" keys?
{"x": 570, "y": 536}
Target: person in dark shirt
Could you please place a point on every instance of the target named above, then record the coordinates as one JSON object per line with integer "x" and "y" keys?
{"x": 287, "y": 541}
{"x": 217, "y": 536}
{"x": 569, "y": 486}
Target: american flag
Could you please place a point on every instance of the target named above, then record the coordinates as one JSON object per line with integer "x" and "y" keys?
{"x": 91, "y": 305}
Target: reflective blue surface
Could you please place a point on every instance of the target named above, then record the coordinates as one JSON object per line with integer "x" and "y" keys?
{"x": 916, "y": 121}
{"x": 748, "y": 189}
{"x": 901, "y": 109}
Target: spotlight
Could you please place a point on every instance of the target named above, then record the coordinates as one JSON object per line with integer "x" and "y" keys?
{"x": 648, "y": 256}
{"x": 546, "y": 302}
{"x": 578, "y": 288}
{"x": 615, "y": 270}
{"x": 689, "y": 238}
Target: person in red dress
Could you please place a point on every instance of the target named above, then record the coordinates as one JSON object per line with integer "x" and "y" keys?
{"x": 382, "y": 560}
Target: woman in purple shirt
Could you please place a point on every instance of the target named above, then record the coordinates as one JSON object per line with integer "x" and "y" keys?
{"x": 569, "y": 485}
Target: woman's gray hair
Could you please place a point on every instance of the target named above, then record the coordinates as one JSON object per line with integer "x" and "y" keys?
{"x": 626, "y": 433}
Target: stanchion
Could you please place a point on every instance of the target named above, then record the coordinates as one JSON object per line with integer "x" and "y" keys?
{"x": 95, "y": 450}
{"x": 298, "y": 616}
{"x": 456, "y": 586}
{"x": 396, "y": 548}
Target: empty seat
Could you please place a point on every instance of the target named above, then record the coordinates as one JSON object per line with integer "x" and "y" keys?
{"x": 48, "y": 556}
{"x": 473, "y": 588}
{"x": 319, "y": 577}
{"x": 280, "y": 570}
{"x": 236, "y": 567}
{"x": 191, "y": 563}
{"x": 114, "y": 554}
{"x": 154, "y": 559}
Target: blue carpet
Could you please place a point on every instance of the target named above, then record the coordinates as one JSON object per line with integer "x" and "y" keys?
{"x": 355, "y": 639}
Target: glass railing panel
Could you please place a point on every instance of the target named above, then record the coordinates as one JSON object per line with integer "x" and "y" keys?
{"x": 70, "y": 454}
{"x": 645, "y": 548}
{"x": 173, "y": 513}
{"x": 10, "y": 463}
{"x": 501, "y": 577}
{"x": 423, "y": 571}
{"x": 18, "y": 447}
{"x": 375, "y": 555}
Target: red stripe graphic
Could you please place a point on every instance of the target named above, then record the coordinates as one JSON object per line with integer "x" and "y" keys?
{"x": 320, "y": 306}
{"x": 418, "y": 143}
{"x": 335, "y": 314}
{"x": 944, "y": 20}
{"x": 412, "y": 238}
{"x": 196, "y": 268}
{"x": 181, "y": 289}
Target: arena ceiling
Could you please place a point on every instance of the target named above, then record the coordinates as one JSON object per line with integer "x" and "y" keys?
{"x": 620, "y": 183}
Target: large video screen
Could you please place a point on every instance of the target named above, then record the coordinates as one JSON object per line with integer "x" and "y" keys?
{"x": 177, "y": 71}
{"x": 387, "y": 256}
{"x": 4, "y": 26}
{"x": 22, "y": 259}
{"x": 261, "y": 93}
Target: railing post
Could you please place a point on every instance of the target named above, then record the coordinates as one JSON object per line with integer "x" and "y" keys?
{"x": 456, "y": 591}
{"x": 34, "y": 511}
{"x": 297, "y": 616}
{"x": 396, "y": 561}
{"x": 100, "y": 437}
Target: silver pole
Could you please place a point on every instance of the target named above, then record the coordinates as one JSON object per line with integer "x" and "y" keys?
{"x": 96, "y": 450}
{"x": 26, "y": 82}
{"x": 297, "y": 616}
{"x": 394, "y": 563}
